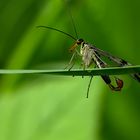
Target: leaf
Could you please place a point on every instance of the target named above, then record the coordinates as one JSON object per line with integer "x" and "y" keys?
{"x": 77, "y": 72}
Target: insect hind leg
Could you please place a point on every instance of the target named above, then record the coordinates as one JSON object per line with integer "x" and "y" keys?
{"x": 89, "y": 85}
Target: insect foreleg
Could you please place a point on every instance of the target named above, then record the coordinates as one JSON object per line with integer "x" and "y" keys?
{"x": 70, "y": 62}
{"x": 77, "y": 52}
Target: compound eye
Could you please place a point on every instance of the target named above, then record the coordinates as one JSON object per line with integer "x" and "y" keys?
{"x": 79, "y": 41}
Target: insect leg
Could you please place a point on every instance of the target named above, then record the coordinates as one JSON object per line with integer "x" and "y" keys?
{"x": 70, "y": 62}
{"x": 76, "y": 53}
{"x": 89, "y": 85}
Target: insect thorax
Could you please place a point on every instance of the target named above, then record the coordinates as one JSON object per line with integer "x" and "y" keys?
{"x": 87, "y": 54}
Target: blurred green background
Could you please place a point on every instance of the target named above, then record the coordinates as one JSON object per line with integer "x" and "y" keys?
{"x": 42, "y": 107}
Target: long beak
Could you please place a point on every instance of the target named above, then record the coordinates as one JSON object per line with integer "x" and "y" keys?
{"x": 73, "y": 47}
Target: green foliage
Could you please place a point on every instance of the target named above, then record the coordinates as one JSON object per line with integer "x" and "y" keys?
{"x": 53, "y": 107}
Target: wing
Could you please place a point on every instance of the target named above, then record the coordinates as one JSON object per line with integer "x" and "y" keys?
{"x": 117, "y": 60}
{"x": 101, "y": 64}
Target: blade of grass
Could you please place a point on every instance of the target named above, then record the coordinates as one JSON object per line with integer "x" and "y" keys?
{"x": 77, "y": 72}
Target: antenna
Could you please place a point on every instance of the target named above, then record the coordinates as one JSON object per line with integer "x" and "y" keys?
{"x": 72, "y": 20}
{"x": 60, "y": 31}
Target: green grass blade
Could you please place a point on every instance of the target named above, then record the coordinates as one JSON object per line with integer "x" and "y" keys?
{"x": 77, "y": 72}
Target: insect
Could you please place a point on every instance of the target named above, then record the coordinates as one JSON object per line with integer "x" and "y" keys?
{"x": 90, "y": 54}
